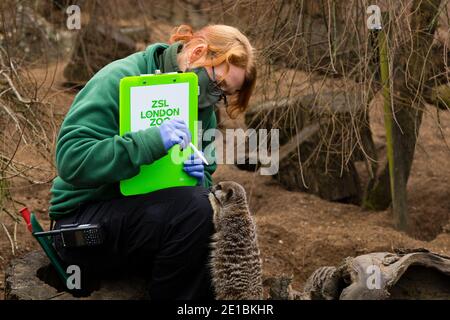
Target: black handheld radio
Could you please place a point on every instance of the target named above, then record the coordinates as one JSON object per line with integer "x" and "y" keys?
{"x": 76, "y": 235}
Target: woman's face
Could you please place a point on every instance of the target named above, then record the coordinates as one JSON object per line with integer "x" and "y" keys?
{"x": 230, "y": 82}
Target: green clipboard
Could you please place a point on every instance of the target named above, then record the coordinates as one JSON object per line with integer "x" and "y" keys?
{"x": 146, "y": 101}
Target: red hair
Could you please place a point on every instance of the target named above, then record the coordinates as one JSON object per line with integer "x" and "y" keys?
{"x": 224, "y": 44}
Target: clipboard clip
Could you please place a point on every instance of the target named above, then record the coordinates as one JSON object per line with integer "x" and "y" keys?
{"x": 157, "y": 71}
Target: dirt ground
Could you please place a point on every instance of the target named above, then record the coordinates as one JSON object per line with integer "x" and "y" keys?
{"x": 298, "y": 232}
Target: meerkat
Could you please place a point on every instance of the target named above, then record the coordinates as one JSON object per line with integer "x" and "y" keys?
{"x": 235, "y": 256}
{"x": 323, "y": 284}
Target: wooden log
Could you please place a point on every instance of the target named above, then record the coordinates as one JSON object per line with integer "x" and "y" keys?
{"x": 402, "y": 274}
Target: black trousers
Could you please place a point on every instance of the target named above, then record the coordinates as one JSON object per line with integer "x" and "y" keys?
{"x": 163, "y": 236}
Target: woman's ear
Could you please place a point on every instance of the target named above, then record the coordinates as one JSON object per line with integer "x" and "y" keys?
{"x": 197, "y": 53}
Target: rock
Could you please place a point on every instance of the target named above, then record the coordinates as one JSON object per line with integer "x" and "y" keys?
{"x": 31, "y": 277}
{"x": 21, "y": 281}
{"x": 29, "y": 36}
{"x": 320, "y": 135}
{"x": 96, "y": 46}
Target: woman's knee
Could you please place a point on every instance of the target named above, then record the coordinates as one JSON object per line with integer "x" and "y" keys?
{"x": 202, "y": 208}
{"x": 195, "y": 217}
{"x": 200, "y": 196}
{"x": 189, "y": 225}
{"x": 181, "y": 208}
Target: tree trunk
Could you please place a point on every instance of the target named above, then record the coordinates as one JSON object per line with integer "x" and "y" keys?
{"x": 411, "y": 71}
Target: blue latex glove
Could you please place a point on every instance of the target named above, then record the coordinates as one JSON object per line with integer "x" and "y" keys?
{"x": 195, "y": 168}
{"x": 174, "y": 131}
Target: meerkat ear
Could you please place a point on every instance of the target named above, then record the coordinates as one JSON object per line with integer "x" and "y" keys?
{"x": 229, "y": 194}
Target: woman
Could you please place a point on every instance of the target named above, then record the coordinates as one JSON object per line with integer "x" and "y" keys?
{"x": 165, "y": 234}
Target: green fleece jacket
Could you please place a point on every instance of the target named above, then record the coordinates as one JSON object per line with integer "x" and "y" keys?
{"x": 91, "y": 156}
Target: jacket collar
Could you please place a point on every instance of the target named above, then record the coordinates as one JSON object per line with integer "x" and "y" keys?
{"x": 169, "y": 58}
{"x": 152, "y": 55}
{"x": 163, "y": 57}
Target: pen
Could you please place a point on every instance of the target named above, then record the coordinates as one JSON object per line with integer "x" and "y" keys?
{"x": 198, "y": 153}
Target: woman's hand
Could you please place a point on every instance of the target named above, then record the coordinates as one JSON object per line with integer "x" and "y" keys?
{"x": 195, "y": 168}
{"x": 174, "y": 131}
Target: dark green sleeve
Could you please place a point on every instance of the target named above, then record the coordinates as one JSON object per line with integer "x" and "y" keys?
{"x": 211, "y": 168}
{"x": 90, "y": 152}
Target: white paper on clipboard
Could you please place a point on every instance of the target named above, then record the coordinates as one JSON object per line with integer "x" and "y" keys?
{"x": 150, "y": 105}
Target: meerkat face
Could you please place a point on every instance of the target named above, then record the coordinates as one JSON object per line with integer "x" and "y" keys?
{"x": 228, "y": 192}
{"x": 227, "y": 198}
